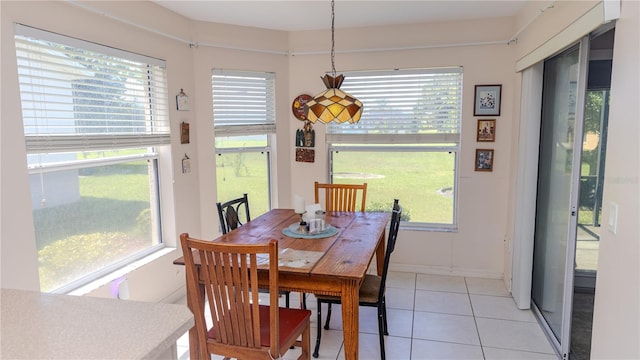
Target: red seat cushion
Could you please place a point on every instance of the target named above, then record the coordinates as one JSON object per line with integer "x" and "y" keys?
{"x": 290, "y": 319}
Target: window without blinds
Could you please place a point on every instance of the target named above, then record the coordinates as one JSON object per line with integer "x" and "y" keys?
{"x": 243, "y": 102}
{"x": 75, "y": 96}
{"x": 404, "y": 106}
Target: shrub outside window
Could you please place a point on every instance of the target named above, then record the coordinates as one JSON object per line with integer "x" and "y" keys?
{"x": 94, "y": 120}
{"x": 406, "y": 144}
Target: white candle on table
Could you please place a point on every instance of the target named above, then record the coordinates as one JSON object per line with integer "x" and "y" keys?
{"x": 298, "y": 202}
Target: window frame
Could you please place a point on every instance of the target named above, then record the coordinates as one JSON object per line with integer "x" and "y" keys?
{"x": 155, "y": 203}
{"x": 265, "y": 127}
{"x": 365, "y": 142}
{"x": 408, "y": 225}
{"x": 255, "y": 149}
{"x": 152, "y": 108}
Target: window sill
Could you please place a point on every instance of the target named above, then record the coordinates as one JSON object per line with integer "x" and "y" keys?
{"x": 428, "y": 227}
{"x": 92, "y": 286}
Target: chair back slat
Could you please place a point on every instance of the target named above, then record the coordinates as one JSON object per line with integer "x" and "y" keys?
{"x": 225, "y": 278}
{"x": 241, "y": 280}
{"x": 342, "y": 197}
{"x": 230, "y": 276}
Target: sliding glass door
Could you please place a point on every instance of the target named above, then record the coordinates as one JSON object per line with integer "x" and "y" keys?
{"x": 557, "y": 196}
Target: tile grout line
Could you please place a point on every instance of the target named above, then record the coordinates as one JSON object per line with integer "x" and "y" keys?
{"x": 413, "y": 313}
{"x": 475, "y": 321}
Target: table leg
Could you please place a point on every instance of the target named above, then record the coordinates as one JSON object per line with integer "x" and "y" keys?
{"x": 380, "y": 253}
{"x": 350, "y": 315}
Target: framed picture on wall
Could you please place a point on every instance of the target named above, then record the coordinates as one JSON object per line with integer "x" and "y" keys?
{"x": 184, "y": 133}
{"x": 484, "y": 160}
{"x": 182, "y": 101}
{"x": 487, "y": 100}
{"x": 486, "y": 130}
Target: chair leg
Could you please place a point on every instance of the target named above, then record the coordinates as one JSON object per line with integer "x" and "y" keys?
{"x": 304, "y": 300}
{"x": 317, "y": 348}
{"x": 326, "y": 324}
{"x": 286, "y": 299}
{"x": 384, "y": 316}
{"x": 306, "y": 341}
{"x": 381, "y": 329}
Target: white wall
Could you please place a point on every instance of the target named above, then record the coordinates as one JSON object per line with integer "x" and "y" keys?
{"x": 269, "y": 55}
{"x": 18, "y": 260}
{"x": 616, "y": 323}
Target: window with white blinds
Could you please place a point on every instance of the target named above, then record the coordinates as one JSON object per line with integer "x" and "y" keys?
{"x": 418, "y": 106}
{"x": 243, "y": 102}
{"x": 79, "y": 96}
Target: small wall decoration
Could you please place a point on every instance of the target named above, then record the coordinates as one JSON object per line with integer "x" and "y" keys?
{"x": 484, "y": 160}
{"x": 298, "y": 106}
{"x": 487, "y": 100}
{"x": 184, "y": 133}
{"x": 305, "y": 141}
{"x": 306, "y": 137}
{"x": 486, "y": 130}
{"x": 305, "y": 155}
{"x": 186, "y": 164}
{"x": 182, "y": 101}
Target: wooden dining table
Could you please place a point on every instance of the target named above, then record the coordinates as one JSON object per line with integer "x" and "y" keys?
{"x": 334, "y": 265}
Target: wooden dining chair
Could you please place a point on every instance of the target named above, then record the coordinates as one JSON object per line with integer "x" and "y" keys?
{"x": 229, "y": 213}
{"x": 240, "y": 327}
{"x": 341, "y": 197}
{"x": 372, "y": 291}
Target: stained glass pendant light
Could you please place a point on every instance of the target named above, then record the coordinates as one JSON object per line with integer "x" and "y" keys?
{"x": 333, "y": 104}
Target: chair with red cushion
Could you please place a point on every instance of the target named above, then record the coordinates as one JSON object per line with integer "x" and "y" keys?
{"x": 239, "y": 327}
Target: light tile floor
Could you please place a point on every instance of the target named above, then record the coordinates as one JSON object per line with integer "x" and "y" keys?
{"x": 434, "y": 317}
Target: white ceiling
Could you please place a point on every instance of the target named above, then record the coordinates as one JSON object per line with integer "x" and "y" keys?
{"x": 296, "y": 15}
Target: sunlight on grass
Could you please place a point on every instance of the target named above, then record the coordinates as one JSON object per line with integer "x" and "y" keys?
{"x": 110, "y": 220}
{"x": 424, "y": 183}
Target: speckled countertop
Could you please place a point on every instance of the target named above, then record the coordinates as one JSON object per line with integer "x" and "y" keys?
{"x": 36, "y": 325}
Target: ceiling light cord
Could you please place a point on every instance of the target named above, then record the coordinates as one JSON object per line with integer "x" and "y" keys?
{"x": 333, "y": 104}
{"x": 333, "y": 39}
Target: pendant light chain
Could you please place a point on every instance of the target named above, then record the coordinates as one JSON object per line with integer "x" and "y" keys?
{"x": 333, "y": 104}
{"x": 333, "y": 41}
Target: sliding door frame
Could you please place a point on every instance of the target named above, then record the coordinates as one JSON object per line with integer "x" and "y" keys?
{"x": 581, "y": 91}
{"x": 561, "y": 343}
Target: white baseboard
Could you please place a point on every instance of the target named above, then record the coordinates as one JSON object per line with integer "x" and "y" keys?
{"x": 442, "y": 270}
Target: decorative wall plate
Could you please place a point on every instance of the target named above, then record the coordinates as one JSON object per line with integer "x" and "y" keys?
{"x": 298, "y": 106}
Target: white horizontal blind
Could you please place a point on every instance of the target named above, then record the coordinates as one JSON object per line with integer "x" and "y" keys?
{"x": 403, "y": 107}
{"x": 243, "y": 102}
{"x": 79, "y": 96}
